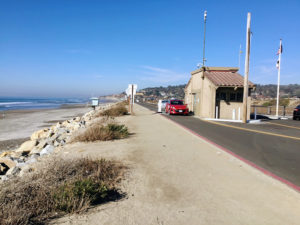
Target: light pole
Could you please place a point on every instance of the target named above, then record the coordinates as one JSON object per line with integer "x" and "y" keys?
{"x": 247, "y": 59}
{"x": 205, "y": 15}
{"x": 278, "y": 78}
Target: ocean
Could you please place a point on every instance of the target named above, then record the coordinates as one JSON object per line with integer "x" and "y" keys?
{"x": 15, "y": 103}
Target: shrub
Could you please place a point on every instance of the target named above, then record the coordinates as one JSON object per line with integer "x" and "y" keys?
{"x": 117, "y": 110}
{"x": 75, "y": 195}
{"x": 282, "y": 102}
{"x": 100, "y": 132}
{"x": 63, "y": 187}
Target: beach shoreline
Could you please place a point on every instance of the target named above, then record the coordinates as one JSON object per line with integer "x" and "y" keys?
{"x": 16, "y": 126}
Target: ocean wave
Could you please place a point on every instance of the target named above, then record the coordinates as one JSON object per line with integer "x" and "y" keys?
{"x": 14, "y": 103}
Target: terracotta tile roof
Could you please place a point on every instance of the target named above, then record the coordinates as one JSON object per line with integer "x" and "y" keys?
{"x": 226, "y": 79}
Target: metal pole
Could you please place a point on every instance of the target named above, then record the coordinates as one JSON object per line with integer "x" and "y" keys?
{"x": 247, "y": 59}
{"x": 132, "y": 98}
{"x": 205, "y": 15}
{"x": 240, "y": 52}
{"x": 278, "y": 80}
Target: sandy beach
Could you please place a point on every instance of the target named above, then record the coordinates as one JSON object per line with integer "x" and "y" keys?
{"x": 17, "y": 126}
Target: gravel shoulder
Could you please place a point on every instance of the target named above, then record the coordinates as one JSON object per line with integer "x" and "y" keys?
{"x": 177, "y": 178}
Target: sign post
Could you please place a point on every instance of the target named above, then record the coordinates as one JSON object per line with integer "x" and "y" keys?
{"x": 130, "y": 92}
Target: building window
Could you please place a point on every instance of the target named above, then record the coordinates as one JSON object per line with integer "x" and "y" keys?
{"x": 239, "y": 97}
{"x": 232, "y": 97}
{"x": 223, "y": 96}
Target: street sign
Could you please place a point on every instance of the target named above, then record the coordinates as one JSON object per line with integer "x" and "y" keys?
{"x": 130, "y": 92}
{"x": 130, "y": 88}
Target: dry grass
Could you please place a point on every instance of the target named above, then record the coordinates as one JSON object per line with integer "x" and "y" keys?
{"x": 119, "y": 109}
{"x": 101, "y": 132}
{"x": 64, "y": 187}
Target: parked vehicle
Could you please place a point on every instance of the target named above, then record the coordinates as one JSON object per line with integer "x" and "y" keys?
{"x": 163, "y": 105}
{"x": 296, "y": 113}
{"x": 176, "y": 106}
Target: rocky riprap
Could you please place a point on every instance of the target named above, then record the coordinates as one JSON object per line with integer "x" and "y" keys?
{"x": 42, "y": 143}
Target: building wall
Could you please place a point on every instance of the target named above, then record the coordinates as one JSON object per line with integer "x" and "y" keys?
{"x": 196, "y": 84}
{"x": 200, "y": 95}
{"x": 208, "y": 101}
{"x": 226, "y": 108}
{"x": 188, "y": 97}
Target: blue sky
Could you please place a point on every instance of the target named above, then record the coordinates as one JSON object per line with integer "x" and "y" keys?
{"x": 84, "y": 48}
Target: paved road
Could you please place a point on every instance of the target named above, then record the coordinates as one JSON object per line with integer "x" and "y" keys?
{"x": 274, "y": 146}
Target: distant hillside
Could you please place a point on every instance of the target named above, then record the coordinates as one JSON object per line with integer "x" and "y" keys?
{"x": 165, "y": 92}
{"x": 268, "y": 90}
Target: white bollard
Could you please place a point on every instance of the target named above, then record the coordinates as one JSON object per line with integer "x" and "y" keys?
{"x": 239, "y": 116}
{"x": 217, "y": 112}
{"x": 159, "y": 106}
{"x": 233, "y": 114}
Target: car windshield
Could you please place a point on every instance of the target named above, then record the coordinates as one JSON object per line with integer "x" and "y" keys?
{"x": 176, "y": 102}
{"x": 298, "y": 107}
{"x": 164, "y": 101}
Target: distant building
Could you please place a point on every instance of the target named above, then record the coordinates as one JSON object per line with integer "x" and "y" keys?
{"x": 162, "y": 93}
{"x": 217, "y": 92}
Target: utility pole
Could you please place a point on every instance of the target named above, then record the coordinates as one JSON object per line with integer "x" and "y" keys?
{"x": 247, "y": 59}
{"x": 205, "y": 15}
{"x": 131, "y": 111}
{"x": 240, "y": 53}
{"x": 278, "y": 79}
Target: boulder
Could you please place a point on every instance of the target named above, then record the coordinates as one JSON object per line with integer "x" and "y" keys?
{"x": 18, "y": 160}
{"x": 76, "y": 126}
{"x": 36, "y": 150}
{"x": 30, "y": 161}
{"x": 26, "y": 169}
{"x": 56, "y": 143}
{"x": 3, "y": 169}
{"x": 15, "y": 154}
{"x": 47, "y": 150}
{"x": 35, "y": 156}
{"x": 27, "y": 146}
{"x": 60, "y": 131}
{"x": 66, "y": 123}
{"x": 77, "y": 119}
{"x": 13, "y": 171}
{"x": 3, "y": 178}
{"x": 8, "y": 162}
{"x": 40, "y": 134}
{"x": 42, "y": 144}
{"x": 3, "y": 154}
{"x": 21, "y": 164}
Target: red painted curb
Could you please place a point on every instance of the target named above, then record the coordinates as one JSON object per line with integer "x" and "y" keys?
{"x": 268, "y": 173}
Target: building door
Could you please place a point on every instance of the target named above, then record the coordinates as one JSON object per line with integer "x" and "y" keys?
{"x": 196, "y": 104}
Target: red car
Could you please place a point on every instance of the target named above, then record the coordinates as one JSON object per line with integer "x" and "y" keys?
{"x": 176, "y": 107}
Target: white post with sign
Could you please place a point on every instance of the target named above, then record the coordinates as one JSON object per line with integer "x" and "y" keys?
{"x": 131, "y": 91}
